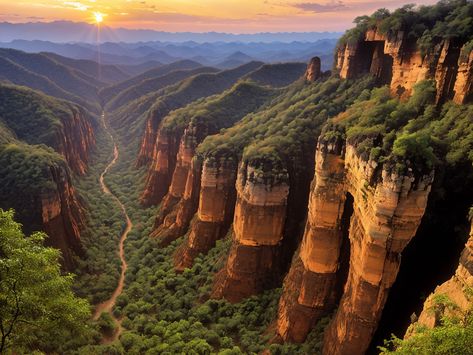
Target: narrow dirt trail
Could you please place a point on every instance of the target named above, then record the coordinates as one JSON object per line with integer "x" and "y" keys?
{"x": 108, "y": 305}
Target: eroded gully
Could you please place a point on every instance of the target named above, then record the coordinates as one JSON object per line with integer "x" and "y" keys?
{"x": 108, "y": 305}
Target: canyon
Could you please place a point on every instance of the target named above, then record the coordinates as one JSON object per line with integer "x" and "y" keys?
{"x": 266, "y": 208}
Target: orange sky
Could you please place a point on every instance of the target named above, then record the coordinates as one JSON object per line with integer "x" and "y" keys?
{"x": 237, "y": 16}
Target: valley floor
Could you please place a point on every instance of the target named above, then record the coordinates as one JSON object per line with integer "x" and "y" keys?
{"x": 159, "y": 310}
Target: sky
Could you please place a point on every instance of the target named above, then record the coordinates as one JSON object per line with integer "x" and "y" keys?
{"x": 233, "y": 16}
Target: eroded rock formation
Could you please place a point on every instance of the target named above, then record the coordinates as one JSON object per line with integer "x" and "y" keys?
{"x": 76, "y": 140}
{"x": 214, "y": 215}
{"x": 387, "y": 211}
{"x": 63, "y": 216}
{"x": 313, "y": 71}
{"x": 254, "y": 262}
{"x": 397, "y": 61}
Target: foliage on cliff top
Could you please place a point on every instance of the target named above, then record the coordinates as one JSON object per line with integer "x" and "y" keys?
{"x": 34, "y": 117}
{"x": 37, "y": 305}
{"x": 413, "y": 134}
{"x": 40, "y": 72}
{"x": 288, "y": 127}
{"x": 428, "y": 25}
{"x": 220, "y": 110}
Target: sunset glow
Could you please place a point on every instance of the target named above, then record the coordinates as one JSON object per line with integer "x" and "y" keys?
{"x": 98, "y": 17}
{"x": 237, "y": 16}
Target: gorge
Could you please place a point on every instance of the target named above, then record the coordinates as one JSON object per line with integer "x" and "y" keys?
{"x": 266, "y": 208}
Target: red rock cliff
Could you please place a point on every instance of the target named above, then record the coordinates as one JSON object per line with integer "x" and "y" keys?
{"x": 62, "y": 216}
{"x": 254, "y": 262}
{"x": 387, "y": 212}
{"x": 214, "y": 215}
{"x": 162, "y": 167}
{"x": 76, "y": 140}
{"x": 398, "y": 62}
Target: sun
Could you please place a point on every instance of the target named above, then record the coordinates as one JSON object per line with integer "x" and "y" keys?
{"x": 98, "y": 16}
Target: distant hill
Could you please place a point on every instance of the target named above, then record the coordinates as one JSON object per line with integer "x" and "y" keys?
{"x": 108, "y": 73}
{"x": 67, "y": 31}
{"x": 42, "y": 73}
{"x": 108, "y": 93}
{"x": 154, "y": 84}
{"x": 277, "y": 75}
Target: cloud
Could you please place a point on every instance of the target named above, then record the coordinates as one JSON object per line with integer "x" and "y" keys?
{"x": 331, "y": 6}
{"x": 76, "y": 5}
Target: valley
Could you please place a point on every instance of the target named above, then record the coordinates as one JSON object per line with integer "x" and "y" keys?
{"x": 246, "y": 208}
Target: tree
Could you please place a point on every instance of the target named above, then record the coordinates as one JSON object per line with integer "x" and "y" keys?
{"x": 37, "y": 306}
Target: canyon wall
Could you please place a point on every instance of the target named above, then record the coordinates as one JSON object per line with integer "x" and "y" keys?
{"x": 63, "y": 216}
{"x": 254, "y": 261}
{"x": 397, "y": 61}
{"x": 387, "y": 212}
{"x": 76, "y": 140}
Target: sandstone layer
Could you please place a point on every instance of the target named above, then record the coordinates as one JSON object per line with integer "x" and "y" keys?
{"x": 387, "y": 211}
{"x": 214, "y": 215}
{"x": 397, "y": 61}
{"x": 254, "y": 262}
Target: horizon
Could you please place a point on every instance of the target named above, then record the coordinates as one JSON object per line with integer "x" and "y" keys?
{"x": 208, "y": 16}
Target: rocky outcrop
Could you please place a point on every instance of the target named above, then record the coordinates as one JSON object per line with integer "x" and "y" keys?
{"x": 452, "y": 298}
{"x": 464, "y": 84}
{"x": 76, "y": 140}
{"x": 162, "y": 167}
{"x": 387, "y": 211}
{"x": 147, "y": 147}
{"x": 309, "y": 287}
{"x": 397, "y": 61}
{"x": 62, "y": 216}
{"x": 214, "y": 215}
{"x": 254, "y": 262}
{"x": 313, "y": 71}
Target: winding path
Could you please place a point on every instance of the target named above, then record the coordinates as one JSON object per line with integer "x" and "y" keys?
{"x": 108, "y": 305}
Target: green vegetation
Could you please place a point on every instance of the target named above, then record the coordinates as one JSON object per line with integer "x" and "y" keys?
{"x": 454, "y": 334}
{"x": 284, "y": 133}
{"x": 277, "y": 75}
{"x": 428, "y": 25}
{"x": 415, "y": 134}
{"x": 40, "y": 72}
{"x": 37, "y": 305}
{"x": 152, "y": 85}
{"x": 108, "y": 93}
{"x": 219, "y": 111}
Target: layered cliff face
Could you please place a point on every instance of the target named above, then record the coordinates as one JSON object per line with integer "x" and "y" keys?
{"x": 63, "y": 216}
{"x": 397, "y": 61}
{"x": 387, "y": 211}
{"x": 214, "y": 214}
{"x": 76, "y": 140}
{"x": 254, "y": 263}
{"x": 44, "y": 141}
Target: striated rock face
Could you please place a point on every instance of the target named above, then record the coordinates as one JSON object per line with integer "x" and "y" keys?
{"x": 313, "y": 70}
{"x": 145, "y": 155}
{"x": 387, "y": 212}
{"x": 464, "y": 84}
{"x": 161, "y": 170}
{"x": 254, "y": 262}
{"x": 76, "y": 140}
{"x": 456, "y": 290}
{"x": 63, "y": 216}
{"x": 214, "y": 215}
{"x": 309, "y": 286}
{"x": 396, "y": 60}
